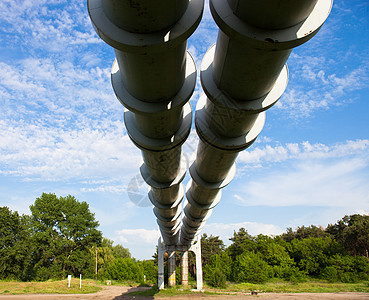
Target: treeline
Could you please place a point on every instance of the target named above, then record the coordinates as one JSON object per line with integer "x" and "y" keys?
{"x": 337, "y": 253}
{"x": 59, "y": 238}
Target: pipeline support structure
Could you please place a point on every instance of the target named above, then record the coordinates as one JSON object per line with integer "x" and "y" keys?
{"x": 154, "y": 77}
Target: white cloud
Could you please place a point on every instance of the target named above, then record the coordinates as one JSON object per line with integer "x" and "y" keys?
{"x": 322, "y": 183}
{"x": 138, "y": 236}
{"x": 305, "y": 150}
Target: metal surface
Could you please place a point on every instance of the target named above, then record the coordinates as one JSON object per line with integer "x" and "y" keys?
{"x": 242, "y": 76}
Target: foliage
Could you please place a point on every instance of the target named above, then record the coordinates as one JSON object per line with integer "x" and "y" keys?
{"x": 150, "y": 270}
{"x": 123, "y": 269}
{"x": 222, "y": 262}
{"x": 210, "y": 245}
{"x": 242, "y": 241}
{"x": 250, "y": 267}
{"x": 353, "y": 232}
{"x": 15, "y": 246}
{"x": 64, "y": 228}
{"x": 346, "y": 269}
{"x": 217, "y": 278}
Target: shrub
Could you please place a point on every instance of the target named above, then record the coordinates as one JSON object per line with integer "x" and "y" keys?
{"x": 249, "y": 267}
{"x": 124, "y": 269}
{"x": 218, "y": 279}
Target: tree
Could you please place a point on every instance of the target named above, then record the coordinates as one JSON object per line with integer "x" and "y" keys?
{"x": 250, "y": 267}
{"x": 210, "y": 246}
{"x": 15, "y": 246}
{"x": 353, "y": 232}
{"x": 64, "y": 230}
{"x": 221, "y": 262}
{"x": 242, "y": 241}
{"x": 120, "y": 252}
{"x": 304, "y": 233}
{"x": 276, "y": 255}
{"x": 311, "y": 255}
{"x": 124, "y": 269}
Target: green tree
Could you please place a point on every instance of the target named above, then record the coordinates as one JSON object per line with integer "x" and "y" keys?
{"x": 242, "y": 241}
{"x": 276, "y": 255}
{"x": 64, "y": 230}
{"x": 210, "y": 245}
{"x": 304, "y": 233}
{"x": 311, "y": 254}
{"x": 124, "y": 269}
{"x": 221, "y": 262}
{"x": 15, "y": 245}
{"x": 250, "y": 267}
{"x": 353, "y": 232}
{"x": 120, "y": 252}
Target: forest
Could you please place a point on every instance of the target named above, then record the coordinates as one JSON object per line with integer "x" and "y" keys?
{"x": 61, "y": 237}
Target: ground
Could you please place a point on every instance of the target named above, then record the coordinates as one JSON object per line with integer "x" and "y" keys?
{"x": 120, "y": 293}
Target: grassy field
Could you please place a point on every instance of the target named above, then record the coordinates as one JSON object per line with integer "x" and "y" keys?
{"x": 92, "y": 286}
{"x": 311, "y": 286}
{"x": 49, "y": 287}
{"x": 276, "y": 286}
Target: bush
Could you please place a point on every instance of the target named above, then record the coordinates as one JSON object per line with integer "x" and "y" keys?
{"x": 218, "y": 279}
{"x": 222, "y": 262}
{"x": 346, "y": 269}
{"x": 249, "y": 267}
{"x": 124, "y": 269}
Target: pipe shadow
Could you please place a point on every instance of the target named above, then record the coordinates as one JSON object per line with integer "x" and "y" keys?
{"x": 138, "y": 293}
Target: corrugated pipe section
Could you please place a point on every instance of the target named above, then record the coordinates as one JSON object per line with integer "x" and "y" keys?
{"x": 154, "y": 77}
{"x": 242, "y": 76}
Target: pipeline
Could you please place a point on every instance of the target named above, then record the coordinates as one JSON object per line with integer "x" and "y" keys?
{"x": 154, "y": 76}
{"x": 242, "y": 76}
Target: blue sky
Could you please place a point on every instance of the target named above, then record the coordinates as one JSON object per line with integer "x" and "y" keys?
{"x": 61, "y": 127}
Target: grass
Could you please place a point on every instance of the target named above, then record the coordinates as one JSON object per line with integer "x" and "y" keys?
{"x": 311, "y": 286}
{"x": 49, "y": 287}
{"x": 92, "y": 286}
{"x": 274, "y": 286}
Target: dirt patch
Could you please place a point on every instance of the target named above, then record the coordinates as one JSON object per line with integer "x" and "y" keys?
{"x": 120, "y": 293}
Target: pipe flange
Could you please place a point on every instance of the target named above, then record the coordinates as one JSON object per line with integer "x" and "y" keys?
{"x": 167, "y": 221}
{"x": 161, "y": 185}
{"x": 193, "y": 219}
{"x": 171, "y": 206}
{"x": 127, "y": 41}
{"x": 235, "y": 144}
{"x": 269, "y": 40}
{"x": 142, "y": 107}
{"x": 210, "y": 185}
{"x": 218, "y": 97}
{"x": 149, "y": 144}
{"x": 204, "y": 207}
{"x": 169, "y": 230}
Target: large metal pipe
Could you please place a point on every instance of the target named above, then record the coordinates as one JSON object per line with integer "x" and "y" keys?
{"x": 154, "y": 77}
{"x": 244, "y": 75}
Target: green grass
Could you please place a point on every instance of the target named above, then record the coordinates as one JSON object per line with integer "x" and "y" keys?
{"x": 49, "y": 287}
{"x": 311, "y": 286}
{"x": 275, "y": 286}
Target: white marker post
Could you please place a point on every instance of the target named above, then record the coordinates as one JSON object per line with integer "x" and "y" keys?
{"x": 69, "y": 279}
{"x": 80, "y": 281}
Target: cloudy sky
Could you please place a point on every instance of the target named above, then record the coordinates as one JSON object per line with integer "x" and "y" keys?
{"x": 61, "y": 127}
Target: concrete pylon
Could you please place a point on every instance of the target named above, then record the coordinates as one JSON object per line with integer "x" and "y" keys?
{"x": 154, "y": 77}
{"x": 242, "y": 76}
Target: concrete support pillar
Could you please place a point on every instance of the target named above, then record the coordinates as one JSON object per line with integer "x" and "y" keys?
{"x": 161, "y": 251}
{"x": 184, "y": 268}
{"x": 154, "y": 77}
{"x": 242, "y": 76}
{"x": 196, "y": 248}
{"x": 171, "y": 268}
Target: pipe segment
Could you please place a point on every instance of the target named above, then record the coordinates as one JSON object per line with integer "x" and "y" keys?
{"x": 242, "y": 76}
{"x": 154, "y": 77}
{"x": 152, "y": 62}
